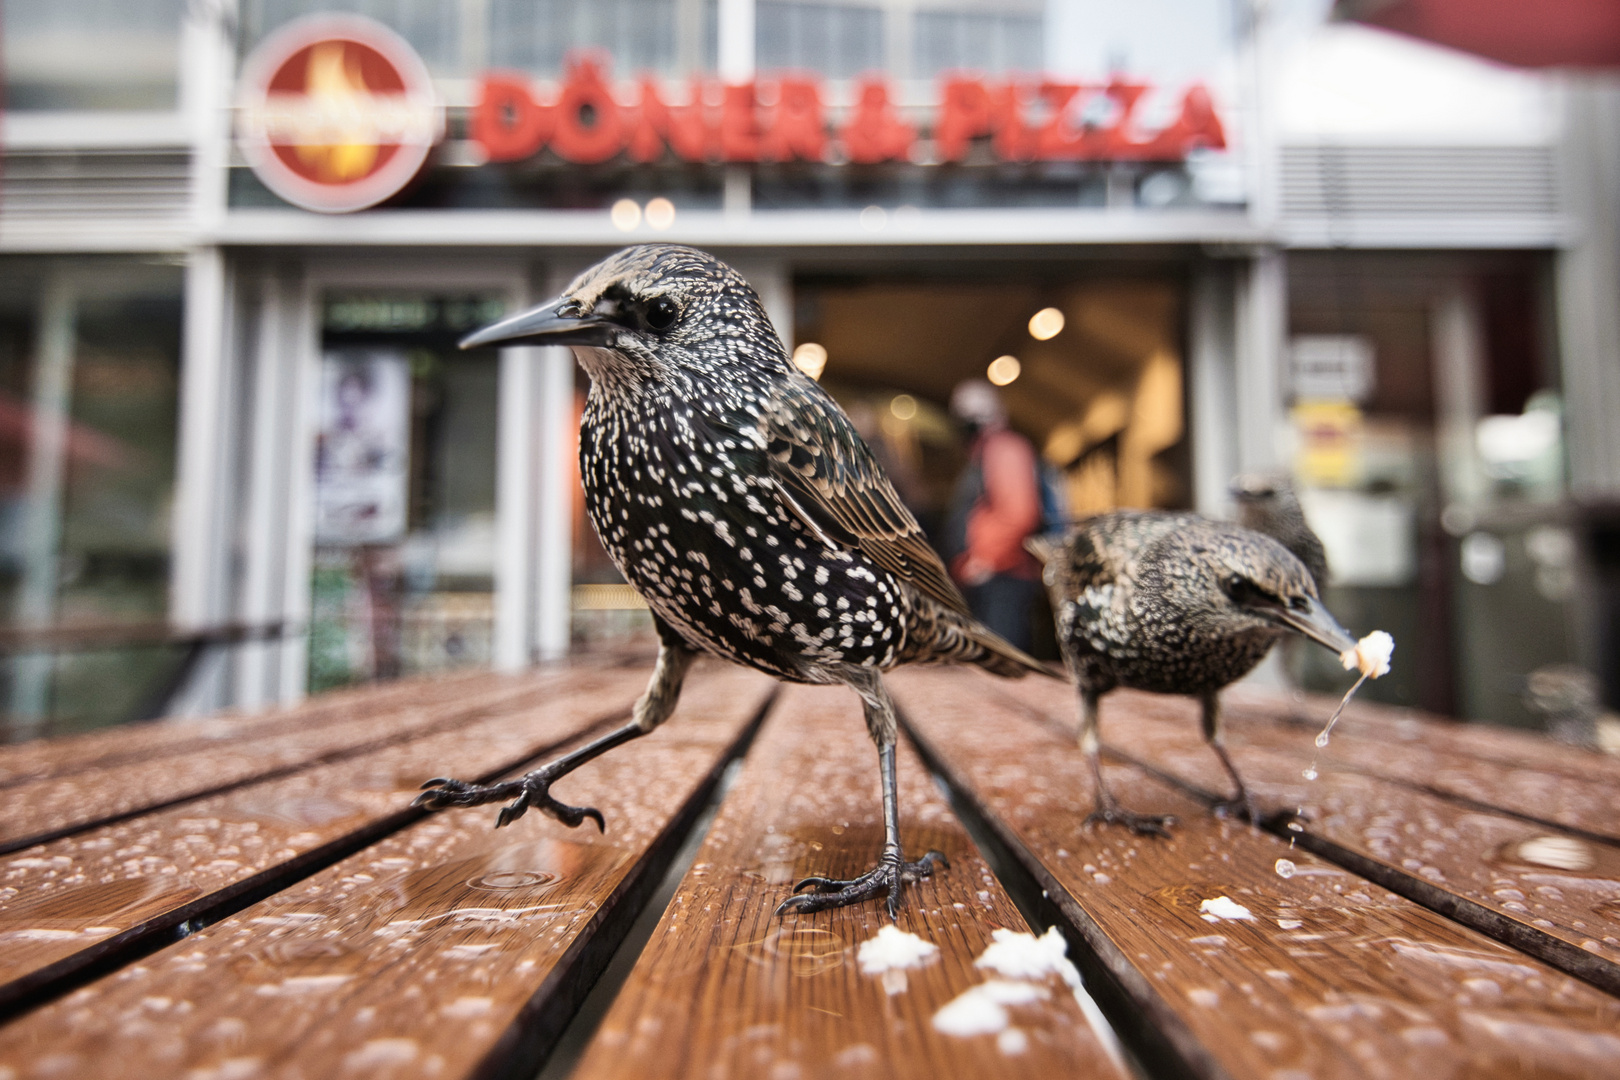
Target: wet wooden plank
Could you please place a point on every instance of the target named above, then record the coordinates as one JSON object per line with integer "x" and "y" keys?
{"x": 1378, "y": 727}
{"x": 81, "y": 900}
{"x": 1547, "y": 892}
{"x": 1329, "y": 976}
{"x": 39, "y": 759}
{"x": 447, "y": 949}
{"x": 726, "y": 989}
{"x": 31, "y": 813}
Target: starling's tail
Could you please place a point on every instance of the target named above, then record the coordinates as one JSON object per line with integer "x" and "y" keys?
{"x": 943, "y": 635}
{"x": 1002, "y": 657}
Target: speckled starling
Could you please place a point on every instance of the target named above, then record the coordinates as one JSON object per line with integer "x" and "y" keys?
{"x": 1175, "y": 604}
{"x": 736, "y": 497}
{"x": 1267, "y": 504}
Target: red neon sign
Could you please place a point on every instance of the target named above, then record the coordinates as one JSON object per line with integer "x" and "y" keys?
{"x": 785, "y": 118}
{"x": 336, "y": 113}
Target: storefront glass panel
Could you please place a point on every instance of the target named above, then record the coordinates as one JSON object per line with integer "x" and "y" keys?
{"x": 89, "y": 370}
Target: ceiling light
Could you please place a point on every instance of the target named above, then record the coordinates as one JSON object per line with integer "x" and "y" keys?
{"x": 1045, "y": 325}
{"x": 626, "y": 215}
{"x": 809, "y": 358}
{"x": 1003, "y": 370}
{"x": 660, "y": 213}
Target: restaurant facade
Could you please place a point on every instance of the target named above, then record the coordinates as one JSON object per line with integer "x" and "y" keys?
{"x": 237, "y": 252}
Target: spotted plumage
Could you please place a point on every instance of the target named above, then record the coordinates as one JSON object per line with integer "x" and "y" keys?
{"x": 736, "y": 497}
{"x": 1175, "y": 604}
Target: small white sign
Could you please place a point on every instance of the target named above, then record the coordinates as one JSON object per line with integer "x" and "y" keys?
{"x": 1370, "y": 539}
{"x": 362, "y": 454}
{"x": 1331, "y": 367}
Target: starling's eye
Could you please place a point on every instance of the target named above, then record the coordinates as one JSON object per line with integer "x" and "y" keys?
{"x": 661, "y": 312}
{"x": 1300, "y": 603}
{"x": 1246, "y": 593}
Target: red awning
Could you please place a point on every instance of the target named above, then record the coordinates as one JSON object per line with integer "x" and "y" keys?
{"x": 1527, "y": 33}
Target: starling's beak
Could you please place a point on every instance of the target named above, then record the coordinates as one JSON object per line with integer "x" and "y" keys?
{"x": 1318, "y": 624}
{"x": 544, "y": 325}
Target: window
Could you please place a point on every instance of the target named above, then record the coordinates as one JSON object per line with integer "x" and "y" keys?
{"x": 952, "y": 40}
{"x": 91, "y": 54}
{"x": 537, "y": 35}
{"x": 835, "y": 40}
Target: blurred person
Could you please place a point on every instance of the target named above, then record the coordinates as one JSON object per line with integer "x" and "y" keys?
{"x": 996, "y": 506}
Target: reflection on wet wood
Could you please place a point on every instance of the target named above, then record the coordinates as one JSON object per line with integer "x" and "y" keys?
{"x": 46, "y": 809}
{"x": 431, "y": 953}
{"x": 726, "y": 989}
{"x": 1552, "y": 894}
{"x": 1385, "y": 724}
{"x": 1522, "y": 774}
{"x": 1320, "y": 972}
{"x": 66, "y": 904}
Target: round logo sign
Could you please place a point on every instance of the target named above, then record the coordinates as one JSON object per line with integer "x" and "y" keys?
{"x": 336, "y": 113}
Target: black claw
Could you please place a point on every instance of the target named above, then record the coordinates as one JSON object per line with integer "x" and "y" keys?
{"x": 532, "y": 791}
{"x": 1140, "y": 824}
{"x": 887, "y": 878}
{"x": 1240, "y": 807}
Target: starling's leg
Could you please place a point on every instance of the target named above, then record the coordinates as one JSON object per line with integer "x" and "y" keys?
{"x": 887, "y": 878}
{"x": 534, "y": 789}
{"x": 1242, "y": 802}
{"x": 1107, "y": 809}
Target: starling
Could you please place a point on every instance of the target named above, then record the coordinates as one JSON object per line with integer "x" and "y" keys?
{"x": 1175, "y": 604}
{"x": 1267, "y": 504}
{"x": 736, "y": 497}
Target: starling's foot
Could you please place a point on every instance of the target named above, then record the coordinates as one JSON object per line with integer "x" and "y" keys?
{"x": 1140, "y": 824}
{"x": 530, "y": 790}
{"x": 1240, "y": 806}
{"x": 886, "y": 877}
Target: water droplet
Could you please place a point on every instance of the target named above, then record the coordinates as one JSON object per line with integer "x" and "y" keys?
{"x": 511, "y": 879}
{"x": 1321, "y": 740}
{"x": 1309, "y": 773}
{"x": 1558, "y": 852}
{"x": 1294, "y": 826}
{"x": 1285, "y": 868}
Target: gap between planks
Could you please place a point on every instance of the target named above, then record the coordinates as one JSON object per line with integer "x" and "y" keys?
{"x": 149, "y": 779}
{"x": 161, "y": 916}
{"x": 1558, "y": 915}
{"x": 726, "y": 987}
{"x": 1349, "y": 970}
{"x": 442, "y": 940}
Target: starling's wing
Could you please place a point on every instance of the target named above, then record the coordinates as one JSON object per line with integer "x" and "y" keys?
{"x": 830, "y": 481}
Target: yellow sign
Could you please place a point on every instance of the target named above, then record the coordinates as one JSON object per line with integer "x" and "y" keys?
{"x": 1329, "y": 434}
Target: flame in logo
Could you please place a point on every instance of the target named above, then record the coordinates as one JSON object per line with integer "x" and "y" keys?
{"x": 334, "y": 82}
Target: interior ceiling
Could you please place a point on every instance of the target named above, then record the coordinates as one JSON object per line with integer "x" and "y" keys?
{"x": 924, "y": 338}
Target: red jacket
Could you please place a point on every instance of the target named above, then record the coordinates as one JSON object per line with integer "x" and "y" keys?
{"x": 1009, "y": 511}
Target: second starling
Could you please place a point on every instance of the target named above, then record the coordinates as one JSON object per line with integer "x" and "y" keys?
{"x": 1175, "y": 604}
{"x": 737, "y": 498}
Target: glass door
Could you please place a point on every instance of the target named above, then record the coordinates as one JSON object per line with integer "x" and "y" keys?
{"x": 404, "y": 560}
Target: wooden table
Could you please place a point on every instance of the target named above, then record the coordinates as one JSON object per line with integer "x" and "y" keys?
{"x": 246, "y": 897}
